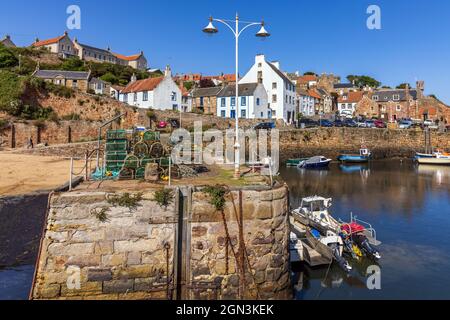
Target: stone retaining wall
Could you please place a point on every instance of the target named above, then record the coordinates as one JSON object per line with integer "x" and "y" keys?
{"x": 135, "y": 254}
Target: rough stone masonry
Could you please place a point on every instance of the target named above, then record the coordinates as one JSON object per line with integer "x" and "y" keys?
{"x": 133, "y": 254}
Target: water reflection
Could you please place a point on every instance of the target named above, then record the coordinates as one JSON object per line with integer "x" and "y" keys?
{"x": 408, "y": 205}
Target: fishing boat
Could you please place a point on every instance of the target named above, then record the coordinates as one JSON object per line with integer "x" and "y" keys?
{"x": 315, "y": 163}
{"x": 329, "y": 245}
{"x": 360, "y": 238}
{"x": 442, "y": 161}
{"x": 363, "y": 157}
{"x": 295, "y": 162}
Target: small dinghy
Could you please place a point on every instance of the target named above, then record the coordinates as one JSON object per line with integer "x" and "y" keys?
{"x": 318, "y": 162}
{"x": 360, "y": 236}
{"x": 363, "y": 157}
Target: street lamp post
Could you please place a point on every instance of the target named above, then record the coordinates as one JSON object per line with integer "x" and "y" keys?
{"x": 262, "y": 33}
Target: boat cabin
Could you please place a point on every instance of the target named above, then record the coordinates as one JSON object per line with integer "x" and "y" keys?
{"x": 316, "y": 206}
{"x": 364, "y": 152}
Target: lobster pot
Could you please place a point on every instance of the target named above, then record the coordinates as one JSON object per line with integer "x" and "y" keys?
{"x": 115, "y": 160}
{"x": 116, "y": 145}
{"x": 131, "y": 162}
{"x": 152, "y": 136}
{"x": 116, "y": 135}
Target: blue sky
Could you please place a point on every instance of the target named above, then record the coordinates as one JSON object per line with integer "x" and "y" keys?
{"x": 321, "y": 36}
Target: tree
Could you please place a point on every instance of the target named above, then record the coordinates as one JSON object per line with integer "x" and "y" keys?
{"x": 403, "y": 86}
{"x": 73, "y": 64}
{"x": 310, "y": 73}
{"x": 188, "y": 85}
{"x": 362, "y": 81}
{"x": 109, "y": 77}
{"x": 7, "y": 58}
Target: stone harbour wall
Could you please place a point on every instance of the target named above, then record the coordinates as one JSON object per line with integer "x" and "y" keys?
{"x": 182, "y": 251}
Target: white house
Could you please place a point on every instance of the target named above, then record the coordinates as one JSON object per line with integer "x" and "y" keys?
{"x": 347, "y": 102}
{"x": 280, "y": 89}
{"x": 306, "y": 103}
{"x": 252, "y": 101}
{"x": 61, "y": 45}
{"x": 160, "y": 93}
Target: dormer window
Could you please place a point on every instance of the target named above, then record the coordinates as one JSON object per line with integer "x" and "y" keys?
{"x": 344, "y": 98}
{"x": 375, "y": 98}
{"x": 396, "y": 97}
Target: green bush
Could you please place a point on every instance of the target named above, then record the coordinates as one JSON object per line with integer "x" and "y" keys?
{"x": 7, "y": 58}
{"x": 11, "y": 91}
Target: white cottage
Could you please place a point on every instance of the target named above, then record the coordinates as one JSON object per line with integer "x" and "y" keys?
{"x": 279, "y": 88}
{"x": 160, "y": 93}
{"x": 252, "y": 102}
{"x": 306, "y": 103}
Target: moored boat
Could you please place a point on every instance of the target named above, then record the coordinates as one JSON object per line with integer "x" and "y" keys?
{"x": 295, "y": 162}
{"x": 315, "y": 163}
{"x": 442, "y": 161}
{"x": 363, "y": 156}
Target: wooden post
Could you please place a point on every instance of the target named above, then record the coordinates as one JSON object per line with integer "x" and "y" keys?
{"x": 69, "y": 134}
{"x": 86, "y": 159}
{"x": 13, "y": 136}
{"x": 70, "y": 175}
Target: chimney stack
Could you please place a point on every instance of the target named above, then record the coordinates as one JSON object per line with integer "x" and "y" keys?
{"x": 168, "y": 71}
{"x": 133, "y": 78}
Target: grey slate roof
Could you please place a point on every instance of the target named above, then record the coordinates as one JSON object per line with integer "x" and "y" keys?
{"x": 206, "y": 92}
{"x": 388, "y": 95}
{"x": 281, "y": 74}
{"x": 245, "y": 89}
{"x": 52, "y": 74}
{"x": 85, "y": 46}
{"x": 344, "y": 85}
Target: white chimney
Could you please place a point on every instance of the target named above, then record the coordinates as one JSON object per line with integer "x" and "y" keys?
{"x": 260, "y": 58}
{"x": 168, "y": 71}
{"x": 133, "y": 78}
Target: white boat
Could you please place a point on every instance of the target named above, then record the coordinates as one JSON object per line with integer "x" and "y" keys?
{"x": 438, "y": 160}
{"x": 314, "y": 213}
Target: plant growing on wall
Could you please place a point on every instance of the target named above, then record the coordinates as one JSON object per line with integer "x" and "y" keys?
{"x": 101, "y": 214}
{"x": 164, "y": 197}
{"x": 217, "y": 194}
{"x": 126, "y": 200}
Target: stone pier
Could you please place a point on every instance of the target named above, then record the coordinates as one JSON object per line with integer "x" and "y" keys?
{"x": 187, "y": 250}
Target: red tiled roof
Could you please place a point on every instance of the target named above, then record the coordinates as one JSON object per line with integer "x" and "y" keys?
{"x": 143, "y": 85}
{"x": 352, "y": 97}
{"x": 48, "y": 41}
{"x": 314, "y": 94}
{"x": 307, "y": 78}
{"x": 127, "y": 58}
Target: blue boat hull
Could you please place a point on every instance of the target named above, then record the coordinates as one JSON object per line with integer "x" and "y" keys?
{"x": 318, "y": 165}
{"x": 353, "y": 158}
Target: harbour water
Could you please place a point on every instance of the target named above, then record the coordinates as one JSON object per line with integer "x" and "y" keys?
{"x": 410, "y": 208}
{"x": 408, "y": 205}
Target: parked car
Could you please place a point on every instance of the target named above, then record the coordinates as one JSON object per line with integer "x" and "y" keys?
{"x": 307, "y": 123}
{"x": 325, "y": 123}
{"x": 264, "y": 126}
{"x": 174, "y": 123}
{"x": 338, "y": 123}
{"x": 428, "y": 122}
{"x": 350, "y": 123}
{"x": 162, "y": 125}
{"x": 405, "y": 124}
{"x": 370, "y": 124}
{"x": 380, "y": 124}
{"x": 361, "y": 124}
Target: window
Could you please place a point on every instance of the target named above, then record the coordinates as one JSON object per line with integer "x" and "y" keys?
{"x": 201, "y": 101}
{"x": 125, "y": 97}
{"x": 75, "y": 84}
{"x": 396, "y": 97}
{"x": 349, "y": 105}
{"x": 174, "y": 107}
{"x": 135, "y": 97}
{"x": 244, "y": 113}
{"x": 260, "y": 77}
{"x": 274, "y": 85}
{"x": 344, "y": 98}
{"x": 99, "y": 86}
{"x": 399, "y": 107}
{"x": 243, "y": 101}
{"x": 274, "y": 113}
{"x": 257, "y": 101}
{"x": 262, "y": 114}
{"x": 259, "y": 65}
{"x": 222, "y": 113}
{"x": 222, "y": 102}
{"x": 274, "y": 98}
{"x": 174, "y": 96}
{"x": 145, "y": 96}
{"x": 375, "y": 98}
{"x": 62, "y": 47}
{"x": 233, "y": 101}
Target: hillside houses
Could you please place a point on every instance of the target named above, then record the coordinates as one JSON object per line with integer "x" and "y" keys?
{"x": 64, "y": 47}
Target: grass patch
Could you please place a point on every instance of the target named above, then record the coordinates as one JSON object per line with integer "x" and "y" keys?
{"x": 126, "y": 200}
